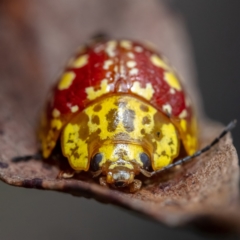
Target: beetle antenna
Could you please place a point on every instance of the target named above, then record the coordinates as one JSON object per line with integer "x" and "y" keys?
{"x": 36, "y": 156}
{"x": 228, "y": 128}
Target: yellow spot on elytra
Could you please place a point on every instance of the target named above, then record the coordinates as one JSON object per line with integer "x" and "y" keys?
{"x": 126, "y": 44}
{"x": 56, "y": 124}
{"x": 183, "y": 124}
{"x": 167, "y": 147}
{"x": 122, "y": 70}
{"x": 74, "y": 108}
{"x": 56, "y": 113}
{"x": 134, "y": 71}
{"x": 183, "y": 114}
{"x": 80, "y": 61}
{"x": 138, "y": 49}
{"x": 167, "y": 108}
{"x": 110, "y": 48}
{"x": 131, "y": 64}
{"x": 66, "y": 80}
{"x": 172, "y": 91}
{"x": 107, "y": 64}
{"x": 93, "y": 94}
{"x": 158, "y": 62}
{"x": 172, "y": 80}
{"x": 146, "y": 92}
{"x": 115, "y": 68}
{"x": 130, "y": 55}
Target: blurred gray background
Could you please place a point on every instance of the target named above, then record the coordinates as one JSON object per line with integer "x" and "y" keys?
{"x": 214, "y": 28}
{"x": 32, "y": 214}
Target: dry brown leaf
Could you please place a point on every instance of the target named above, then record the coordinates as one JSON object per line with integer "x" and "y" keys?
{"x": 203, "y": 193}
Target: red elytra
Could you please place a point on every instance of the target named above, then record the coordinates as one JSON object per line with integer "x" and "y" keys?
{"x": 120, "y": 79}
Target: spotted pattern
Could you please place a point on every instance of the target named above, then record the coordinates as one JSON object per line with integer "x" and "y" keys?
{"x": 110, "y": 68}
{"x": 111, "y": 48}
{"x": 183, "y": 114}
{"x": 158, "y": 62}
{"x": 126, "y": 44}
{"x": 167, "y": 109}
{"x": 146, "y": 92}
{"x": 131, "y": 64}
{"x": 66, "y": 80}
{"x": 80, "y": 62}
{"x": 107, "y": 64}
{"x": 170, "y": 150}
{"x": 133, "y": 71}
{"x": 55, "y": 113}
{"x": 93, "y": 94}
{"x": 114, "y": 119}
{"x": 74, "y": 109}
{"x": 172, "y": 80}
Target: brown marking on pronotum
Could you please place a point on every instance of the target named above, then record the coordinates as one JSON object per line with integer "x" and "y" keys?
{"x": 144, "y": 108}
{"x": 146, "y": 120}
{"x": 113, "y": 120}
{"x": 143, "y": 131}
{"x": 95, "y": 120}
{"x": 98, "y": 131}
{"x": 128, "y": 120}
{"x": 97, "y": 108}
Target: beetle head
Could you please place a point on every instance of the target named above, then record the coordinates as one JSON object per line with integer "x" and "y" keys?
{"x": 119, "y": 162}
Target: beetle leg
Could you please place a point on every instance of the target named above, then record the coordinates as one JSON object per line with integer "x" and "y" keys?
{"x": 103, "y": 181}
{"x": 135, "y": 185}
{"x": 145, "y": 172}
{"x": 65, "y": 175}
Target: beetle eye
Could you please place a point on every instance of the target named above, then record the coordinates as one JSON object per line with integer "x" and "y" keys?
{"x": 95, "y": 162}
{"x": 145, "y": 161}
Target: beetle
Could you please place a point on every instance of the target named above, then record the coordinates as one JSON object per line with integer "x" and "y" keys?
{"x": 119, "y": 110}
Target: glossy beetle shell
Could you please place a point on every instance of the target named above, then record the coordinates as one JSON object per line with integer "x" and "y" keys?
{"x": 118, "y": 67}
